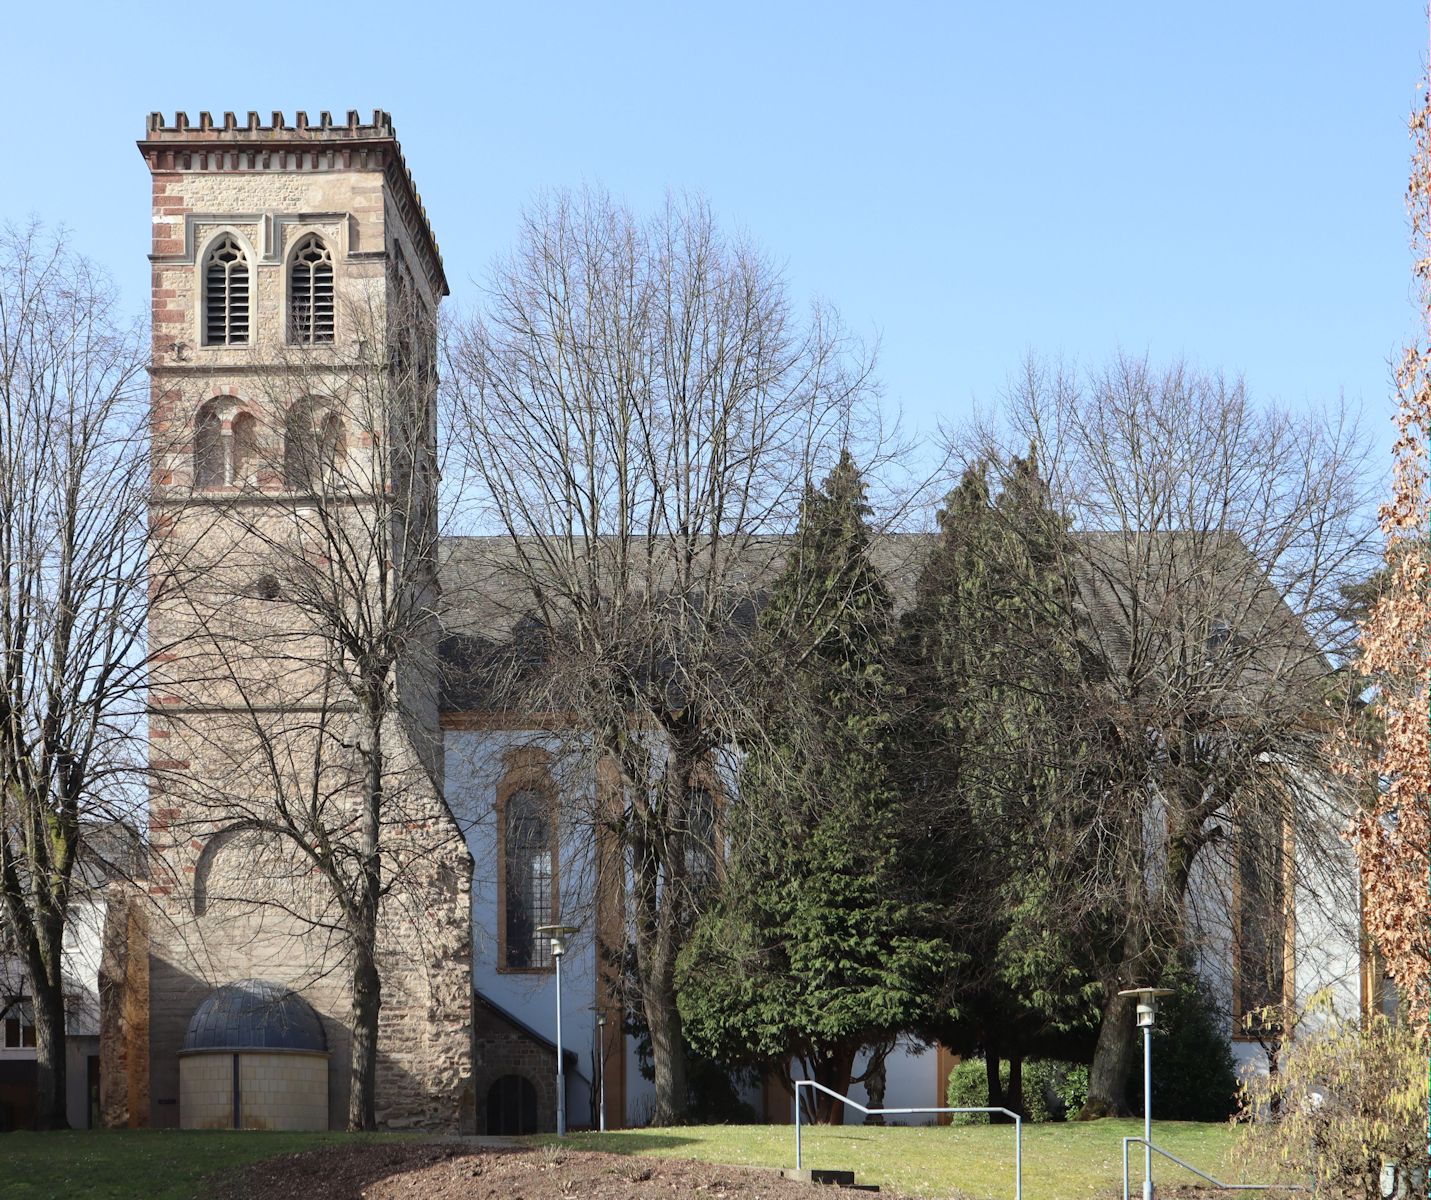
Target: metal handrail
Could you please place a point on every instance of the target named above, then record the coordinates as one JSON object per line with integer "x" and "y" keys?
{"x": 891, "y": 1112}
{"x": 1187, "y": 1166}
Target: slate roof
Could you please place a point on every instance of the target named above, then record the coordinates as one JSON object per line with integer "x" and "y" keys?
{"x": 1207, "y": 576}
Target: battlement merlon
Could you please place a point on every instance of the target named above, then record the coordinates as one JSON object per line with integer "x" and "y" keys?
{"x": 301, "y": 146}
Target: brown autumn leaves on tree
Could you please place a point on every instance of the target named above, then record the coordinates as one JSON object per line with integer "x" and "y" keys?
{"x": 1392, "y": 831}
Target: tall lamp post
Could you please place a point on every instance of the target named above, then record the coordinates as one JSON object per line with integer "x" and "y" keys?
{"x": 601, "y": 1071}
{"x": 558, "y": 934}
{"x": 1147, "y": 1010}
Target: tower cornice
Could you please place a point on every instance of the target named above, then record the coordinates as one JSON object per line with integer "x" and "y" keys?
{"x": 255, "y": 147}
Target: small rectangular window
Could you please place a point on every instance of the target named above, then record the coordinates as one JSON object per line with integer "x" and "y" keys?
{"x": 19, "y": 1026}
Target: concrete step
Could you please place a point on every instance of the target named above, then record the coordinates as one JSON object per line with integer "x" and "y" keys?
{"x": 830, "y": 1178}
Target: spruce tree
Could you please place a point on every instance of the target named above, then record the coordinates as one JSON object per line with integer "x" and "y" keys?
{"x": 994, "y": 756}
{"x": 816, "y": 948}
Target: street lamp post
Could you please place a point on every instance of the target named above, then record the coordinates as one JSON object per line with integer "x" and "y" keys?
{"x": 1147, "y": 1011}
{"x": 601, "y": 1071}
{"x": 558, "y": 933}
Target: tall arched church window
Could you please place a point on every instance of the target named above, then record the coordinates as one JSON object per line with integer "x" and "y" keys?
{"x": 226, "y": 294}
{"x": 1262, "y": 916}
{"x": 701, "y": 836}
{"x": 310, "y": 293}
{"x": 528, "y": 857}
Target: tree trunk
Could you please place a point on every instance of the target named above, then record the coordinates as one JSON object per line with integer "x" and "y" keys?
{"x": 1112, "y": 1062}
{"x": 991, "y": 1076}
{"x": 876, "y": 1080}
{"x": 833, "y": 1070}
{"x": 1014, "y": 1093}
{"x": 50, "y": 1075}
{"x": 668, "y": 1055}
{"x": 367, "y": 1001}
{"x": 367, "y": 982}
{"x": 48, "y": 1001}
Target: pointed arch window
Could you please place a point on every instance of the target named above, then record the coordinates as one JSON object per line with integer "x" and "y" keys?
{"x": 310, "y": 293}
{"x": 226, "y": 294}
{"x": 527, "y": 865}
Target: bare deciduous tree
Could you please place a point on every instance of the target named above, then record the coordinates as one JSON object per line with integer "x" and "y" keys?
{"x": 641, "y": 410}
{"x": 73, "y": 598}
{"x": 1211, "y": 539}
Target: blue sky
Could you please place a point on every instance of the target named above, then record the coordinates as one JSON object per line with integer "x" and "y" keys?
{"x": 966, "y": 182}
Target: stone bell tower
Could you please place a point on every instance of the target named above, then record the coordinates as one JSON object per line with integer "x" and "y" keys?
{"x": 295, "y": 286}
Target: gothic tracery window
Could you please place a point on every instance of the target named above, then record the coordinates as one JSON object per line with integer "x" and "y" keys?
{"x": 226, "y": 294}
{"x": 310, "y": 293}
{"x": 528, "y": 851}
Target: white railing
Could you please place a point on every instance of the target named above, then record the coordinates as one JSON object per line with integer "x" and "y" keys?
{"x": 896, "y": 1112}
{"x": 1187, "y": 1166}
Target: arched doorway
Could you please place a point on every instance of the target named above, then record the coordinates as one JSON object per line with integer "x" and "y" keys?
{"x": 511, "y": 1106}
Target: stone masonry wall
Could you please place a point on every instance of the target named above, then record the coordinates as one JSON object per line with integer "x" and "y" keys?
{"x": 502, "y": 1048}
{"x": 238, "y": 678}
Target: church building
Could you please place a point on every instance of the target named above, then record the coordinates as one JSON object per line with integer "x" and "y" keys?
{"x": 295, "y": 277}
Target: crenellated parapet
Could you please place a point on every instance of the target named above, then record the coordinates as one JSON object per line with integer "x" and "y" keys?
{"x": 277, "y": 127}
{"x": 227, "y": 145}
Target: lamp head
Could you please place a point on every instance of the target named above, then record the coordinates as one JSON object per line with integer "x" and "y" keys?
{"x": 557, "y": 933}
{"x": 1147, "y": 1003}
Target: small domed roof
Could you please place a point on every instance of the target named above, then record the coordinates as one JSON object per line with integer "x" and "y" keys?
{"x": 255, "y": 1015}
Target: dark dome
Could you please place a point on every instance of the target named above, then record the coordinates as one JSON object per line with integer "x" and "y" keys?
{"x": 254, "y": 1015}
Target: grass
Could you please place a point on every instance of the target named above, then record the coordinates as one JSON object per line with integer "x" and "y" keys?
{"x": 135, "y": 1164}
{"x": 1061, "y": 1161}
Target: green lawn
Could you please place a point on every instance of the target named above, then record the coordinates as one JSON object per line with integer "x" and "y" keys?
{"x": 134, "y": 1164}
{"x": 1061, "y": 1161}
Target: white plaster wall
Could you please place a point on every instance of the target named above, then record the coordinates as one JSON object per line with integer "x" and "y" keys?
{"x": 911, "y": 1081}
{"x": 1326, "y": 919}
{"x": 80, "y": 965}
{"x": 474, "y": 767}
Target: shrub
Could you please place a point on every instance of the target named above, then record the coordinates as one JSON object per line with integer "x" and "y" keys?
{"x": 1073, "y": 1088}
{"x": 1052, "y": 1089}
{"x": 1194, "y": 1076}
{"x": 1347, "y": 1099}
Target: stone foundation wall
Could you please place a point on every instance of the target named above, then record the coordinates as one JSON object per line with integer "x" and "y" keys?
{"x": 124, "y": 1011}
{"x": 502, "y": 1048}
{"x": 206, "y": 1091}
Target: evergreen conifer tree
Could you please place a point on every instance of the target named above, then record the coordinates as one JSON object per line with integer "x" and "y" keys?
{"x": 994, "y": 755}
{"x": 816, "y": 947}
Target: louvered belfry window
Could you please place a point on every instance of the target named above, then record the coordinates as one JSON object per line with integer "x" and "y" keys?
{"x": 310, "y": 293}
{"x": 226, "y": 294}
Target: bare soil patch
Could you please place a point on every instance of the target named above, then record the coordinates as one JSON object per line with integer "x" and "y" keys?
{"x": 449, "y": 1171}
